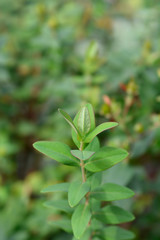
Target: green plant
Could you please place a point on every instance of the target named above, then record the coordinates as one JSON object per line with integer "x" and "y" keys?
{"x": 87, "y": 209}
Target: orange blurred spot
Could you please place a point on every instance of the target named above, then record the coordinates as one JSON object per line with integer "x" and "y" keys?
{"x": 107, "y": 100}
{"x": 123, "y": 87}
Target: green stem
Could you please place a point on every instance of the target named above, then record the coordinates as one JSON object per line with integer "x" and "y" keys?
{"x": 82, "y": 165}
{"x": 84, "y": 179}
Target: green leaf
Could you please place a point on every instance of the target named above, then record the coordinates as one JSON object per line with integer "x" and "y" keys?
{"x": 95, "y": 204}
{"x": 92, "y": 123}
{"x": 105, "y": 158}
{"x": 60, "y": 187}
{"x": 58, "y": 151}
{"x": 91, "y": 115}
{"x": 84, "y": 123}
{"x": 64, "y": 224}
{"x": 68, "y": 119}
{"x": 96, "y": 225}
{"x": 61, "y": 205}
{"x": 80, "y": 220}
{"x": 93, "y": 146}
{"x": 121, "y": 174}
{"x": 111, "y": 192}
{"x": 75, "y": 138}
{"x": 82, "y": 155}
{"x": 85, "y": 236}
{"x": 92, "y": 51}
{"x": 95, "y": 180}
{"x": 117, "y": 233}
{"x": 102, "y": 127}
{"x": 114, "y": 215}
{"x": 77, "y": 191}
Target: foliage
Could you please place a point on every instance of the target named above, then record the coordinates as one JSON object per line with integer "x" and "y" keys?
{"x": 80, "y": 208}
{"x": 61, "y": 54}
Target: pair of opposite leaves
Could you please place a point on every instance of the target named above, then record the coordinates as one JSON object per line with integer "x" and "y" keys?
{"x": 102, "y": 159}
{"x": 83, "y": 125}
{"x": 77, "y": 190}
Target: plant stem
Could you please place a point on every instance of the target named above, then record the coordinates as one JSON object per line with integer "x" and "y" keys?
{"x": 84, "y": 180}
{"x": 82, "y": 165}
{"x": 81, "y": 146}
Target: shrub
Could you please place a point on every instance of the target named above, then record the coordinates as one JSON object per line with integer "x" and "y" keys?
{"x": 89, "y": 205}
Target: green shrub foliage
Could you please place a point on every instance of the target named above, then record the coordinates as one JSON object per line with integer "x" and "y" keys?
{"x": 90, "y": 205}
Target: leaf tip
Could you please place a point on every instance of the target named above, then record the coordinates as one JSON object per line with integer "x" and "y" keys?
{"x": 71, "y": 205}
{"x": 115, "y": 124}
{"x": 34, "y": 145}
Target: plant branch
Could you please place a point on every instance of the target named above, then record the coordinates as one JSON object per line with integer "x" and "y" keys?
{"x": 82, "y": 165}
{"x": 84, "y": 180}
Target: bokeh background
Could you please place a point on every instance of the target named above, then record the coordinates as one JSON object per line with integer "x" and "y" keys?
{"x": 63, "y": 53}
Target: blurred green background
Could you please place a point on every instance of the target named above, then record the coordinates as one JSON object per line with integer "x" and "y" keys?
{"x": 63, "y": 53}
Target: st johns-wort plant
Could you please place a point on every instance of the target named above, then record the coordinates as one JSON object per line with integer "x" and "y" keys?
{"x": 89, "y": 212}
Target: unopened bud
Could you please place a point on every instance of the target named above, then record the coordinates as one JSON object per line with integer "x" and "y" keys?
{"x": 107, "y": 100}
